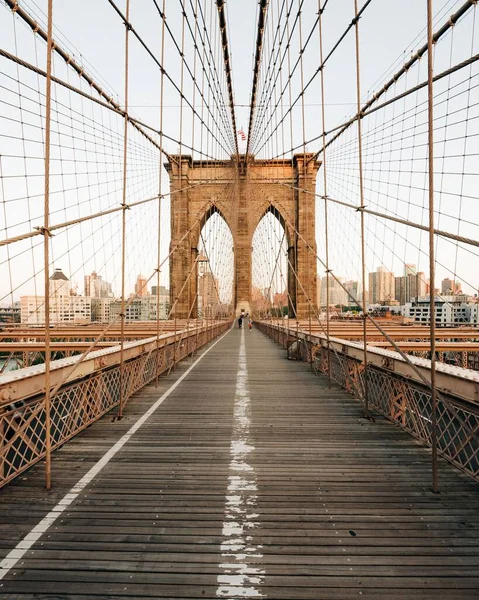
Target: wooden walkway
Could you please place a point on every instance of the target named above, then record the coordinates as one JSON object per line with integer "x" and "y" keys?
{"x": 251, "y": 479}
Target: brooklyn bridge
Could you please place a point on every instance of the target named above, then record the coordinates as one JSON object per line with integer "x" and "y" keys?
{"x": 239, "y": 304}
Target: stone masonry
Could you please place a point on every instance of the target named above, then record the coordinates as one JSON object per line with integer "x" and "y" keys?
{"x": 242, "y": 190}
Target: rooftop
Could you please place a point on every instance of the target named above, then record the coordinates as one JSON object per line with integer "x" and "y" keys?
{"x": 58, "y": 274}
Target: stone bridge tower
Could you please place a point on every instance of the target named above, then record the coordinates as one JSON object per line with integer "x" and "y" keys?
{"x": 242, "y": 190}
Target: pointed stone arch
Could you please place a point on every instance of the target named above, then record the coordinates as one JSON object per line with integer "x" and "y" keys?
{"x": 212, "y": 210}
{"x": 275, "y": 211}
{"x": 242, "y": 189}
{"x": 271, "y": 208}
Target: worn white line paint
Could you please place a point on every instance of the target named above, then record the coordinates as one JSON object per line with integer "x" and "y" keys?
{"x": 239, "y": 577}
{"x": 27, "y": 542}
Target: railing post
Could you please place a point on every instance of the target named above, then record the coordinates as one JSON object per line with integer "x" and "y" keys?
{"x": 197, "y": 331}
{"x": 174, "y": 342}
{"x": 2, "y": 444}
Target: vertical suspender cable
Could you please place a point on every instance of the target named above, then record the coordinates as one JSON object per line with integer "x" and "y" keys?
{"x": 184, "y": 292}
{"x": 303, "y": 124}
{"x": 361, "y": 193}
{"x": 193, "y": 158}
{"x": 287, "y": 298}
{"x": 193, "y": 123}
{"x": 432, "y": 295}
{"x": 123, "y": 223}
{"x": 294, "y": 237}
{"x": 160, "y": 198}
{"x": 202, "y": 152}
{"x": 182, "y": 82}
{"x": 46, "y": 247}
{"x": 325, "y": 190}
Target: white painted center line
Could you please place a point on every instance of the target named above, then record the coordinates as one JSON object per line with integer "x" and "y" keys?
{"x": 239, "y": 576}
{"x": 24, "y": 545}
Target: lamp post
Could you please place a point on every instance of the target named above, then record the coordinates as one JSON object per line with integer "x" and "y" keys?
{"x": 202, "y": 270}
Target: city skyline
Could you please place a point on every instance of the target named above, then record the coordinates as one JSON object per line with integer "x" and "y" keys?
{"x": 389, "y": 291}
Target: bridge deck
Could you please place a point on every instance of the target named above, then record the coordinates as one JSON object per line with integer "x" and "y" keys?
{"x": 251, "y": 479}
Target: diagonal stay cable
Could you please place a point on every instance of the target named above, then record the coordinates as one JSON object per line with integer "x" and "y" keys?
{"x": 150, "y": 53}
{"x": 318, "y": 70}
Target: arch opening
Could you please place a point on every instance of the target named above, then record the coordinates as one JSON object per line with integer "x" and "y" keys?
{"x": 270, "y": 295}
{"x": 215, "y": 267}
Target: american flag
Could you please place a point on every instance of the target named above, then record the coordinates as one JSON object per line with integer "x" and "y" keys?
{"x": 242, "y": 135}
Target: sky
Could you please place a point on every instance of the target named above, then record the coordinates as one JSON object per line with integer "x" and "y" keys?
{"x": 88, "y": 151}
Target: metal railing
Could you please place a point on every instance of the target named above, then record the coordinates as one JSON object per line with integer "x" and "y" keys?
{"x": 94, "y": 391}
{"x": 396, "y": 392}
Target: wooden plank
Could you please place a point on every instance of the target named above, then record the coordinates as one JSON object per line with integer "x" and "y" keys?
{"x": 344, "y": 507}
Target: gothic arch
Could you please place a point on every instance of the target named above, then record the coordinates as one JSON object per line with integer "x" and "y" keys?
{"x": 291, "y": 252}
{"x": 271, "y": 208}
{"x": 235, "y": 187}
{"x": 215, "y": 251}
{"x": 208, "y": 213}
